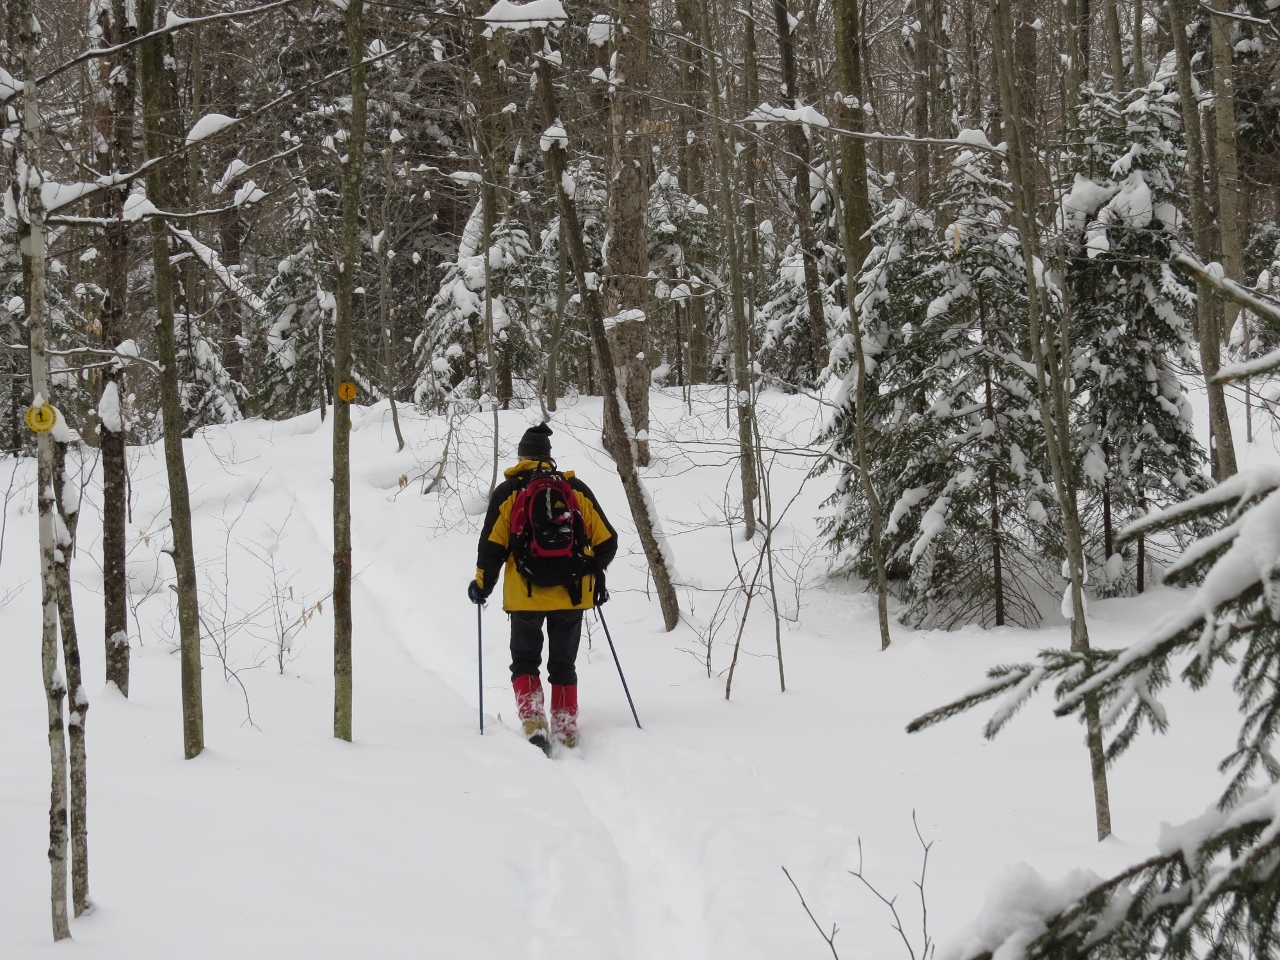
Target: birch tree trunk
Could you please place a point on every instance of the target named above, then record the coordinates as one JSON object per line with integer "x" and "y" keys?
{"x": 655, "y": 552}
{"x": 67, "y": 502}
{"x": 627, "y": 274}
{"x": 26, "y": 187}
{"x": 1222, "y": 449}
{"x": 349, "y": 252}
{"x": 159, "y": 120}
{"x": 1052, "y": 363}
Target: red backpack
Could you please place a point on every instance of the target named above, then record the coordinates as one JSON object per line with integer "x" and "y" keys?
{"x": 548, "y": 535}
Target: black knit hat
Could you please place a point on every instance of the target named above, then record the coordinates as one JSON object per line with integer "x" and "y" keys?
{"x": 536, "y": 443}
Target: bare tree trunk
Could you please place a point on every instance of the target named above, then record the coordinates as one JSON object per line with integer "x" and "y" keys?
{"x": 737, "y": 289}
{"x": 920, "y": 98}
{"x": 1139, "y": 65}
{"x": 159, "y": 124}
{"x": 557, "y": 325}
{"x": 690, "y": 53}
{"x": 854, "y": 217}
{"x": 385, "y": 252}
{"x": 1228, "y": 179}
{"x": 486, "y": 149}
{"x": 798, "y": 148}
{"x": 1025, "y": 15}
{"x": 996, "y": 560}
{"x": 118, "y": 77}
{"x": 352, "y": 173}
{"x": 68, "y": 506}
{"x": 751, "y": 155}
{"x": 571, "y": 233}
{"x": 1222, "y": 448}
{"x": 26, "y": 190}
{"x": 1052, "y": 362}
{"x": 626, "y": 281}
{"x": 1115, "y": 47}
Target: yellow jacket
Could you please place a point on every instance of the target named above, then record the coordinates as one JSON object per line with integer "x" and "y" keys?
{"x": 494, "y": 552}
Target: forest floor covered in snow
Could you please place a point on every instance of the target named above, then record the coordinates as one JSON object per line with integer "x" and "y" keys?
{"x": 422, "y": 838}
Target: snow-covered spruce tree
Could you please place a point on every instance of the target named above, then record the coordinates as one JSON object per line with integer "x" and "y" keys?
{"x": 14, "y": 390}
{"x": 786, "y": 339}
{"x": 1254, "y": 336}
{"x": 1133, "y": 323}
{"x": 890, "y": 307}
{"x": 292, "y": 357}
{"x": 209, "y": 393}
{"x": 566, "y": 332}
{"x": 1213, "y": 890}
{"x": 681, "y": 241}
{"x": 451, "y": 350}
{"x": 955, "y": 444}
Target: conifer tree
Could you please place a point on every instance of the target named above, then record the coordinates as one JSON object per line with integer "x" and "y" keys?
{"x": 1134, "y": 318}
{"x": 956, "y": 446}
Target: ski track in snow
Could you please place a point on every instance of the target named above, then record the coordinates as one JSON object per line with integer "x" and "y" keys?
{"x": 422, "y": 838}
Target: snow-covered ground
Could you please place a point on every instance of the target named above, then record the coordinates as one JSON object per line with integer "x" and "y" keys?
{"x": 423, "y": 839}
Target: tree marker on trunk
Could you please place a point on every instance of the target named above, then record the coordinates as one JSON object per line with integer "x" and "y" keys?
{"x": 41, "y": 419}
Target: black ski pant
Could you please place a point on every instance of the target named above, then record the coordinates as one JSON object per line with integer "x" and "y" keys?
{"x": 564, "y": 631}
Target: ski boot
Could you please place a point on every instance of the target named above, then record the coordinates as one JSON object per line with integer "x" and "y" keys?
{"x": 529, "y": 707}
{"x": 564, "y": 714}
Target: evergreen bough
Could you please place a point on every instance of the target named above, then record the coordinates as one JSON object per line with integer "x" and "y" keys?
{"x": 1213, "y": 891}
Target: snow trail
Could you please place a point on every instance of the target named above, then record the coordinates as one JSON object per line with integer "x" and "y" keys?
{"x": 423, "y": 838}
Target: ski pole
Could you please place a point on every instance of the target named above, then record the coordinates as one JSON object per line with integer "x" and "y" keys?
{"x": 480, "y": 659}
{"x": 613, "y": 650}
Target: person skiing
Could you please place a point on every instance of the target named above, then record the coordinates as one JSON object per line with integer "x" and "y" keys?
{"x": 545, "y": 528}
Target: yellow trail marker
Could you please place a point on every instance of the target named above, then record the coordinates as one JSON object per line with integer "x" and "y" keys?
{"x": 347, "y": 391}
{"x": 42, "y": 418}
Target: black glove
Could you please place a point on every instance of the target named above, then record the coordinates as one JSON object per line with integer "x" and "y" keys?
{"x": 477, "y": 593}
{"x": 601, "y": 595}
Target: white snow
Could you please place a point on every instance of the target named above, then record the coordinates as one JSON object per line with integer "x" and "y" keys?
{"x": 554, "y": 134}
{"x": 8, "y": 85}
{"x": 1017, "y": 906}
{"x": 249, "y": 192}
{"x": 525, "y": 16}
{"x": 59, "y": 195}
{"x": 629, "y": 315}
{"x": 807, "y": 115}
{"x": 209, "y": 257}
{"x": 600, "y": 31}
{"x": 137, "y": 206}
{"x": 665, "y": 843}
{"x": 109, "y": 408}
{"x": 207, "y": 126}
